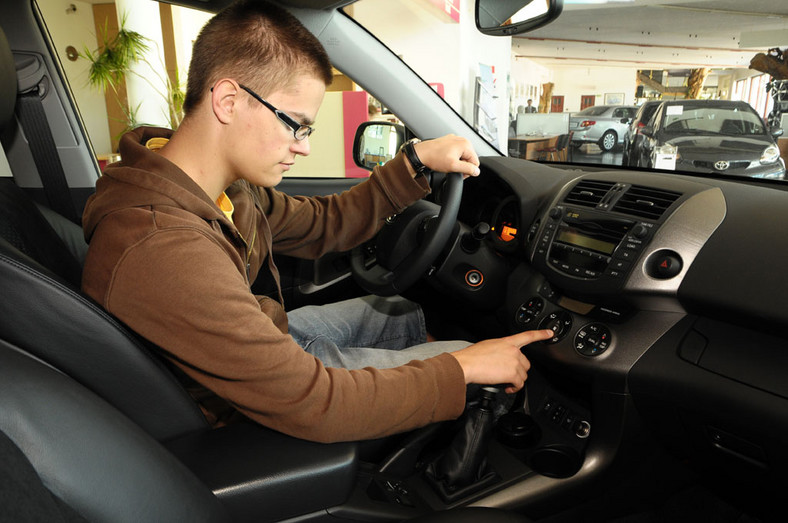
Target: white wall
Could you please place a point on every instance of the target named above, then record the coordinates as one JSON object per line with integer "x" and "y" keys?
{"x": 186, "y": 26}
{"x": 146, "y": 83}
{"x": 574, "y": 82}
{"x": 526, "y": 82}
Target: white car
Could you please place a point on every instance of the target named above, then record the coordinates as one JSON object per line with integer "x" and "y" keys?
{"x": 604, "y": 125}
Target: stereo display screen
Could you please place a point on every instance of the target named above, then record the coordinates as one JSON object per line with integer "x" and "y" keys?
{"x": 572, "y": 236}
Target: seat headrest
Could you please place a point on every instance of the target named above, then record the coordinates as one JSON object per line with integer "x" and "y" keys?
{"x": 8, "y": 83}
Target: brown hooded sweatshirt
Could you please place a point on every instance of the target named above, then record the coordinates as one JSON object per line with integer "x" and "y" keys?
{"x": 166, "y": 261}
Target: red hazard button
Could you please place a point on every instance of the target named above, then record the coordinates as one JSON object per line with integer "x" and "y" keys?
{"x": 665, "y": 264}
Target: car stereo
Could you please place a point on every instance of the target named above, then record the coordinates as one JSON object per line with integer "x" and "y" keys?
{"x": 589, "y": 245}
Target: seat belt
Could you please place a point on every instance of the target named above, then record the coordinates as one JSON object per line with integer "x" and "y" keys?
{"x": 31, "y": 114}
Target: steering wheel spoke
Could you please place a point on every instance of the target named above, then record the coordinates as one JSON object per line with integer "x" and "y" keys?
{"x": 406, "y": 248}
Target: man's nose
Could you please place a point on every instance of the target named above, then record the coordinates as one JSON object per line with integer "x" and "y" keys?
{"x": 301, "y": 147}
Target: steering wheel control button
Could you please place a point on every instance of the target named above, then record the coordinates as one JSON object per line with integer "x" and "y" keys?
{"x": 664, "y": 264}
{"x": 592, "y": 339}
{"x": 474, "y": 278}
{"x": 529, "y": 310}
{"x": 560, "y": 322}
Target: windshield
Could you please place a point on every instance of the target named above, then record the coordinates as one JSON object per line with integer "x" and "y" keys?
{"x": 593, "y": 111}
{"x": 717, "y": 119}
{"x": 600, "y": 54}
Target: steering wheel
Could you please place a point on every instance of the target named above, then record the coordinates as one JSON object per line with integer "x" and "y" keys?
{"x": 409, "y": 242}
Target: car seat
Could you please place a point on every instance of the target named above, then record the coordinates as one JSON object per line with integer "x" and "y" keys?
{"x": 94, "y": 461}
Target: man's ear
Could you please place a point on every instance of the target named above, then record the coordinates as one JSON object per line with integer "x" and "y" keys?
{"x": 224, "y": 97}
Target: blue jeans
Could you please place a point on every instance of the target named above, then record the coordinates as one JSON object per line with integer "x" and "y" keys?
{"x": 366, "y": 332}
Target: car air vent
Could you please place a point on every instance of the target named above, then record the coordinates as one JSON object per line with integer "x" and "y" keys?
{"x": 646, "y": 202}
{"x": 588, "y": 192}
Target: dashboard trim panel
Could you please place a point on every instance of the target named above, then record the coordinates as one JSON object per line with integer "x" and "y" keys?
{"x": 685, "y": 232}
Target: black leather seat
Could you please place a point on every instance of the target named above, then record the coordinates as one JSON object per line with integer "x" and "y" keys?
{"x": 92, "y": 459}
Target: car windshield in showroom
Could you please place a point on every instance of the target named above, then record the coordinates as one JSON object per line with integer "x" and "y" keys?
{"x": 520, "y": 92}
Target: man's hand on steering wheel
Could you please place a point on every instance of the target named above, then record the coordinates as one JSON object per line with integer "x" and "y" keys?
{"x": 448, "y": 154}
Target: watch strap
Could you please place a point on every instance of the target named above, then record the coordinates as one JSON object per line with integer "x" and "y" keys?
{"x": 410, "y": 153}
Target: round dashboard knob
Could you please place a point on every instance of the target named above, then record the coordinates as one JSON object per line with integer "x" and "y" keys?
{"x": 639, "y": 231}
{"x": 592, "y": 339}
{"x": 560, "y": 322}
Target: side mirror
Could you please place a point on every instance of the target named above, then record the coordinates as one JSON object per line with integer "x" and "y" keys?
{"x": 626, "y": 121}
{"x": 510, "y": 17}
{"x": 648, "y": 130}
{"x": 777, "y": 132}
{"x": 376, "y": 143}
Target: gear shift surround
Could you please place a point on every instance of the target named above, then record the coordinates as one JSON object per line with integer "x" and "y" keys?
{"x": 463, "y": 468}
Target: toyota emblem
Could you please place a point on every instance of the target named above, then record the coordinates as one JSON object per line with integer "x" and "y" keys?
{"x": 721, "y": 165}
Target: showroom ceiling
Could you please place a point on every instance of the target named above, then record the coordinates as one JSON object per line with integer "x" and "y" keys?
{"x": 659, "y": 34}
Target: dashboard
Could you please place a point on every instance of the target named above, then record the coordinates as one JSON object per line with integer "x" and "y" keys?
{"x": 663, "y": 290}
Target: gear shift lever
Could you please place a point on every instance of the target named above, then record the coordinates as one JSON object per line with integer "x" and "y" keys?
{"x": 464, "y": 466}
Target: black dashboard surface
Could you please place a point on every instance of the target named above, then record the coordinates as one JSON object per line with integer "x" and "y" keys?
{"x": 683, "y": 345}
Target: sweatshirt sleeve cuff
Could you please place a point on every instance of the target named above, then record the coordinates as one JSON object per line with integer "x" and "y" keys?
{"x": 398, "y": 182}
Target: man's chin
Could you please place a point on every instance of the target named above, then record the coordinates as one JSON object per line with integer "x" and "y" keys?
{"x": 268, "y": 179}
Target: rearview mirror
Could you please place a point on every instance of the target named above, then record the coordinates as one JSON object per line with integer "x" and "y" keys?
{"x": 509, "y": 17}
{"x": 376, "y": 143}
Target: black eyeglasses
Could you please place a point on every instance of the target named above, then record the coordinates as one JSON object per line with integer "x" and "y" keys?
{"x": 299, "y": 131}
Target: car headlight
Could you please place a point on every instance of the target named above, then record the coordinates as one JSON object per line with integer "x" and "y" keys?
{"x": 667, "y": 149}
{"x": 770, "y": 155}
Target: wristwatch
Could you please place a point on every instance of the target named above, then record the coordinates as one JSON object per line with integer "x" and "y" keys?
{"x": 410, "y": 153}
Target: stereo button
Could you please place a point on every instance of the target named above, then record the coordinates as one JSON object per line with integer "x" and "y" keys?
{"x": 620, "y": 265}
{"x": 625, "y": 254}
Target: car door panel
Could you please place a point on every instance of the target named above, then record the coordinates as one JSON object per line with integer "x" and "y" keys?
{"x": 309, "y": 282}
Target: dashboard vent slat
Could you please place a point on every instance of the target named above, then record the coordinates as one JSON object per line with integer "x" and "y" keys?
{"x": 588, "y": 192}
{"x": 646, "y": 202}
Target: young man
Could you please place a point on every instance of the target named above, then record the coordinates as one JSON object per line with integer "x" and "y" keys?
{"x": 182, "y": 226}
